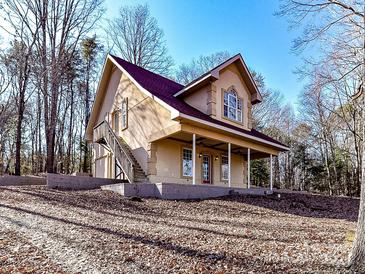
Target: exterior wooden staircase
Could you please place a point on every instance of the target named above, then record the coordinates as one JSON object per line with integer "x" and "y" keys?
{"x": 124, "y": 159}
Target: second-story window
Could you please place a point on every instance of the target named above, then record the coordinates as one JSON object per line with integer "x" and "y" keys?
{"x": 115, "y": 120}
{"x": 124, "y": 115}
{"x": 232, "y": 106}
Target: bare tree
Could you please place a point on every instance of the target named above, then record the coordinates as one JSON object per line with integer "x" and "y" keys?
{"x": 89, "y": 49}
{"x": 337, "y": 27}
{"x": 137, "y": 38}
{"x": 190, "y": 71}
{"x": 45, "y": 71}
{"x": 19, "y": 58}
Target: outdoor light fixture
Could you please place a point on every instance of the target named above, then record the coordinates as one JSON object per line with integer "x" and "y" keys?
{"x": 200, "y": 155}
{"x": 216, "y": 158}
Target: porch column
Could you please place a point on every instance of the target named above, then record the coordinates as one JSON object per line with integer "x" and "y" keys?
{"x": 248, "y": 168}
{"x": 271, "y": 185}
{"x": 194, "y": 158}
{"x": 229, "y": 164}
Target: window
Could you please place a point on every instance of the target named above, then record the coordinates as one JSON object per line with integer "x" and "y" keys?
{"x": 125, "y": 113}
{"x": 187, "y": 162}
{"x": 224, "y": 168}
{"x": 206, "y": 169}
{"x": 115, "y": 120}
{"x": 232, "y": 106}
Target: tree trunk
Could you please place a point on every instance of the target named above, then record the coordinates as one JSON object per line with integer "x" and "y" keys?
{"x": 18, "y": 142}
{"x": 23, "y": 79}
{"x": 357, "y": 257}
{"x": 70, "y": 129}
{"x": 87, "y": 114}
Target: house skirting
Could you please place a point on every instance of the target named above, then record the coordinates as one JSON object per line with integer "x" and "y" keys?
{"x": 170, "y": 191}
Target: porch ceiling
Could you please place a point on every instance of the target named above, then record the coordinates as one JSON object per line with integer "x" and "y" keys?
{"x": 186, "y": 138}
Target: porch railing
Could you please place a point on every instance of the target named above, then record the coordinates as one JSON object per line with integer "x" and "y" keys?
{"x": 104, "y": 133}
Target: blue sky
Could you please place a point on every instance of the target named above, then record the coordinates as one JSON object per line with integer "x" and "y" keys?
{"x": 195, "y": 27}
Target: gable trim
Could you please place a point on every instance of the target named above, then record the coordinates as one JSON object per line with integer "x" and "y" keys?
{"x": 194, "y": 83}
{"x": 96, "y": 107}
{"x": 214, "y": 73}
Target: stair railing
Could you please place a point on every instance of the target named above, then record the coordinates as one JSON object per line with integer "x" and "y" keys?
{"x": 104, "y": 131}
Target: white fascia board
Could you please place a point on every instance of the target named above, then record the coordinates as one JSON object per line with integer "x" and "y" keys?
{"x": 174, "y": 112}
{"x": 191, "y": 85}
{"x": 92, "y": 113}
{"x": 182, "y": 115}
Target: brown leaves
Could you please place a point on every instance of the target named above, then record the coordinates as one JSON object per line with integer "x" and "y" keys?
{"x": 94, "y": 231}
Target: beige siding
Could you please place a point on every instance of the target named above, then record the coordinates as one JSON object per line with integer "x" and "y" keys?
{"x": 230, "y": 76}
{"x": 145, "y": 116}
{"x": 102, "y": 167}
{"x": 199, "y": 99}
{"x": 108, "y": 102}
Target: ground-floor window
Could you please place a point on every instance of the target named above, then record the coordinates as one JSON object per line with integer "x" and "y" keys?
{"x": 187, "y": 162}
{"x": 206, "y": 169}
{"x": 224, "y": 168}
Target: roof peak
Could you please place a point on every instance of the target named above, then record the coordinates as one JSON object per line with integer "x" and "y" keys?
{"x": 147, "y": 70}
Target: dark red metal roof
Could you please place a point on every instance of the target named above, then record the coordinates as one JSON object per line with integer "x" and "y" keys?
{"x": 164, "y": 89}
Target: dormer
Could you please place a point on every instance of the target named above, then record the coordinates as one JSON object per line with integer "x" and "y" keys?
{"x": 226, "y": 93}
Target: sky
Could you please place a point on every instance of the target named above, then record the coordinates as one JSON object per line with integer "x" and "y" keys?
{"x": 202, "y": 27}
{"x": 196, "y": 27}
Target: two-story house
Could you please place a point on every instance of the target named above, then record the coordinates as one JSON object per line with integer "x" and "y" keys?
{"x": 147, "y": 128}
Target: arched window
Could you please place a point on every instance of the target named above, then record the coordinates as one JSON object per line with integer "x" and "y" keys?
{"x": 232, "y": 105}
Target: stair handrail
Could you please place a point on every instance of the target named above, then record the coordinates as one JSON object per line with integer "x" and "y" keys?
{"x": 128, "y": 171}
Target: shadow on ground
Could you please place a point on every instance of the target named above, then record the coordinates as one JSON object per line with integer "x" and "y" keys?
{"x": 305, "y": 205}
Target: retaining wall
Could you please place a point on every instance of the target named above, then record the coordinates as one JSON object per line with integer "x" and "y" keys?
{"x": 67, "y": 182}
{"x": 10, "y": 180}
{"x": 170, "y": 191}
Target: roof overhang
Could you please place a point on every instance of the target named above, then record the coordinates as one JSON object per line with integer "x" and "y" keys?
{"x": 213, "y": 75}
{"x": 218, "y": 127}
{"x": 100, "y": 94}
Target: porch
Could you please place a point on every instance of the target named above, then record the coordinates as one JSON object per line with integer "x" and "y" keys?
{"x": 217, "y": 158}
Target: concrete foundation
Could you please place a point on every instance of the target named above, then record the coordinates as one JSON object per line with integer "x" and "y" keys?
{"x": 68, "y": 182}
{"x": 171, "y": 191}
{"x": 10, "y": 180}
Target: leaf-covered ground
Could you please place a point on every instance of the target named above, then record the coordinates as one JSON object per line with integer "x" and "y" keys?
{"x": 50, "y": 231}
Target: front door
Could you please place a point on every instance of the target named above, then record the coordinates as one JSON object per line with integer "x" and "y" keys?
{"x": 206, "y": 169}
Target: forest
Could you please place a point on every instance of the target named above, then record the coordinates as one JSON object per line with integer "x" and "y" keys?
{"x": 52, "y": 56}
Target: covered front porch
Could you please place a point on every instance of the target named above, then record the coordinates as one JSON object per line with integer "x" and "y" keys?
{"x": 205, "y": 157}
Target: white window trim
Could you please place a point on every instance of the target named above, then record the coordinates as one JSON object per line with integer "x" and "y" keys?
{"x": 116, "y": 115}
{"x": 221, "y": 166}
{"x": 236, "y": 108}
{"x": 182, "y": 162}
{"x": 124, "y": 112}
